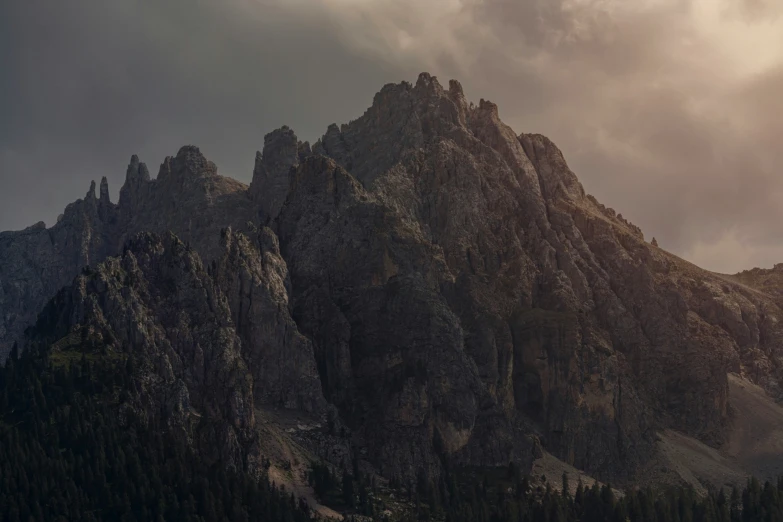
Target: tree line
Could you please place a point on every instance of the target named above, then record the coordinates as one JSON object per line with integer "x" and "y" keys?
{"x": 65, "y": 455}
{"x": 510, "y": 497}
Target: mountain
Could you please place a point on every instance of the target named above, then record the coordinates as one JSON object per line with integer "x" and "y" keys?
{"x": 421, "y": 288}
{"x": 131, "y": 401}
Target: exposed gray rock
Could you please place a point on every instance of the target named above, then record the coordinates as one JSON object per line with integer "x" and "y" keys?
{"x": 189, "y": 198}
{"x": 390, "y": 351}
{"x": 254, "y": 277}
{"x": 446, "y": 284}
{"x": 271, "y": 174}
{"x": 157, "y": 305}
{"x": 573, "y": 322}
{"x": 36, "y": 262}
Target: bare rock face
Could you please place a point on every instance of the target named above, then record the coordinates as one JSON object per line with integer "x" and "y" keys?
{"x": 188, "y": 198}
{"x": 271, "y": 175}
{"x": 391, "y": 353}
{"x": 768, "y": 281}
{"x": 36, "y": 262}
{"x": 446, "y": 284}
{"x": 461, "y": 181}
{"x": 157, "y": 305}
{"x": 254, "y": 277}
{"x": 573, "y": 322}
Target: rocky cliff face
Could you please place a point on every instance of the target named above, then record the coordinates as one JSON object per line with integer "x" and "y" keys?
{"x": 445, "y": 284}
{"x": 768, "y": 281}
{"x": 188, "y": 198}
{"x": 37, "y": 261}
{"x": 568, "y": 319}
{"x": 215, "y": 343}
{"x": 157, "y": 305}
{"x": 254, "y": 278}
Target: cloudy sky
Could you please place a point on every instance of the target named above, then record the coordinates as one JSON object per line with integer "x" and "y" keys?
{"x": 669, "y": 111}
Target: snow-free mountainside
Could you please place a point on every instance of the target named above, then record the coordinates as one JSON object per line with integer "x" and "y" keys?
{"x": 420, "y": 286}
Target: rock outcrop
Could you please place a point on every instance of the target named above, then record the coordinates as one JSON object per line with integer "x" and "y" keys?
{"x": 188, "y": 198}
{"x": 391, "y": 352}
{"x": 575, "y": 325}
{"x": 36, "y": 262}
{"x": 769, "y": 281}
{"x": 157, "y": 306}
{"x": 446, "y": 284}
{"x": 269, "y": 187}
{"x": 254, "y": 278}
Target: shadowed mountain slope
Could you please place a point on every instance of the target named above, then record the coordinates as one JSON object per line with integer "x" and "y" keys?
{"x": 441, "y": 284}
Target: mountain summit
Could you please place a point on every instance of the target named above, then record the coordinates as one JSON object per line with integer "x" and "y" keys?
{"x": 424, "y": 281}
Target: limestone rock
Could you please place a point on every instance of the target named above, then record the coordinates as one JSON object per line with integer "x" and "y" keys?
{"x": 36, "y": 262}
{"x": 575, "y": 325}
{"x": 189, "y": 198}
{"x": 254, "y": 277}
{"x": 271, "y": 173}
{"x": 366, "y": 287}
{"x": 444, "y": 283}
{"x": 157, "y": 305}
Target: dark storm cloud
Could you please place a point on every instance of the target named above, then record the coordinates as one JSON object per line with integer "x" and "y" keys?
{"x": 668, "y": 110}
{"x": 85, "y": 84}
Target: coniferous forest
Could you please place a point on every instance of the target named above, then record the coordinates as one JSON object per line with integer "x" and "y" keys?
{"x": 65, "y": 455}
{"x": 509, "y": 497}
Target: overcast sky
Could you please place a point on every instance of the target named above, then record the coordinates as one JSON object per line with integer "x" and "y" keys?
{"x": 669, "y": 111}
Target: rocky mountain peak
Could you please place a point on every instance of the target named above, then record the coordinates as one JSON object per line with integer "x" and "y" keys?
{"x": 136, "y": 177}
{"x": 104, "y": 194}
{"x": 428, "y": 272}
{"x": 137, "y": 171}
{"x": 455, "y": 88}
{"x": 271, "y": 174}
{"x": 458, "y": 97}
{"x": 556, "y": 178}
{"x": 188, "y": 165}
{"x": 488, "y": 107}
{"x": 103, "y": 199}
{"x": 190, "y": 155}
{"x": 428, "y": 85}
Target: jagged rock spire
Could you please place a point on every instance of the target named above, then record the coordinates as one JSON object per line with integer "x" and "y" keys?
{"x": 137, "y": 171}
{"x": 191, "y": 155}
{"x": 136, "y": 177}
{"x": 104, "y": 194}
{"x": 433, "y": 243}
{"x": 189, "y": 163}
{"x": 282, "y": 151}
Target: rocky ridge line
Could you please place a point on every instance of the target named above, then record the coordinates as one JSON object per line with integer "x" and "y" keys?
{"x": 451, "y": 283}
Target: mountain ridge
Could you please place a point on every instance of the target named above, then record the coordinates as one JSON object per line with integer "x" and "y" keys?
{"x": 442, "y": 286}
